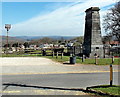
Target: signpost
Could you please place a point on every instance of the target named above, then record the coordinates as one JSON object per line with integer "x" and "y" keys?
{"x": 7, "y": 27}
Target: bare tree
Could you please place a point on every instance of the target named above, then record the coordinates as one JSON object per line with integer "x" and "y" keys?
{"x": 112, "y": 21}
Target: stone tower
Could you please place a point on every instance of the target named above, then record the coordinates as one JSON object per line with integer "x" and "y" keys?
{"x": 92, "y": 36}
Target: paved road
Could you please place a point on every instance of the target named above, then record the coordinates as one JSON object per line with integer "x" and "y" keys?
{"x": 80, "y": 80}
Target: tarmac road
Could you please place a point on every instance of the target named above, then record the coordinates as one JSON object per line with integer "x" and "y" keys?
{"x": 76, "y": 80}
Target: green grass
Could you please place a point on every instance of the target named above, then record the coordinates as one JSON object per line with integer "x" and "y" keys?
{"x": 114, "y": 90}
{"x": 105, "y": 61}
{"x": 87, "y": 61}
{"x": 21, "y": 55}
{"x": 35, "y": 52}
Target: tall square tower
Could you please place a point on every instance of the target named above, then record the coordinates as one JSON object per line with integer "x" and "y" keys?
{"x": 92, "y": 36}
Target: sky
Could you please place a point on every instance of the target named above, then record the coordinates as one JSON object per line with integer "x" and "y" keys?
{"x": 43, "y": 18}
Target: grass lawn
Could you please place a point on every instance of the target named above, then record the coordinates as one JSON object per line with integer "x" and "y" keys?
{"x": 87, "y": 61}
{"x": 21, "y": 55}
{"x": 35, "y": 52}
{"x": 106, "y": 61}
{"x": 114, "y": 90}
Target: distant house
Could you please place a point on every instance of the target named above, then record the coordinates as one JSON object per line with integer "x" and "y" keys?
{"x": 56, "y": 46}
{"x": 33, "y": 46}
{"x": 13, "y": 49}
{"x": 44, "y": 46}
{"x": 51, "y": 45}
{"x": 61, "y": 46}
{"x": 112, "y": 47}
{"x": 22, "y": 46}
{"x": 113, "y": 43}
{"x": 70, "y": 44}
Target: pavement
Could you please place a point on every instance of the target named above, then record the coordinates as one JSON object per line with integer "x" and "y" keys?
{"x": 38, "y": 65}
{"x": 36, "y": 91}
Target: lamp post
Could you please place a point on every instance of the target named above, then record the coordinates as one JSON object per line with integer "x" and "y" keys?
{"x": 7, "y": 27}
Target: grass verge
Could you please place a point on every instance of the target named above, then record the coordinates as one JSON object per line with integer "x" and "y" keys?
{"x": 112, "y": 90}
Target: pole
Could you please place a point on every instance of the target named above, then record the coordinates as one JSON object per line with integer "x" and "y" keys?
{"x": 61, "y": 55}
{"x": 111, "y": 75}
{"x": 7, "y": 44}
{"x": 74, "y": 50}
{"x": 53, "y": 53}
{"x": 112, "y": 59}
{"x": 56, "y": 55}
{"x": 96, "y": 60}
{"x": 104, "y": 51}
{"x": 83, "y": 58}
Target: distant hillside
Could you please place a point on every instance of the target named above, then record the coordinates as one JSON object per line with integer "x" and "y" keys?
{"x": 22, "y": 39}
{"x": 11, "y": 40}
{"x": 39, "y": 37}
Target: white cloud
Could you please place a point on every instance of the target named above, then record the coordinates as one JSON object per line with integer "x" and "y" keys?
{"x": 67, "y": 21}
{"x": 42, "y": 0}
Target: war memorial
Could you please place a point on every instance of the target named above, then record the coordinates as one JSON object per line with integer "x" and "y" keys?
{"x": 92, "y": 37}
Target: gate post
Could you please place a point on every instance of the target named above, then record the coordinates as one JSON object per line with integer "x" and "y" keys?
{"x": 56, "y": 54}
{"x": 53, "y": 54}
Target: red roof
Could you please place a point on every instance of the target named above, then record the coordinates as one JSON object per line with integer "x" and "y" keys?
{"x": 112, "y": 42}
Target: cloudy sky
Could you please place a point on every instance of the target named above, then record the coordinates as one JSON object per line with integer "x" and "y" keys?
{"x": 51, "y": 18}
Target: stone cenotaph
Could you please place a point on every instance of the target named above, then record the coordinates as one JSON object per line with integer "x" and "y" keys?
{"x": 92, "y": 37}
